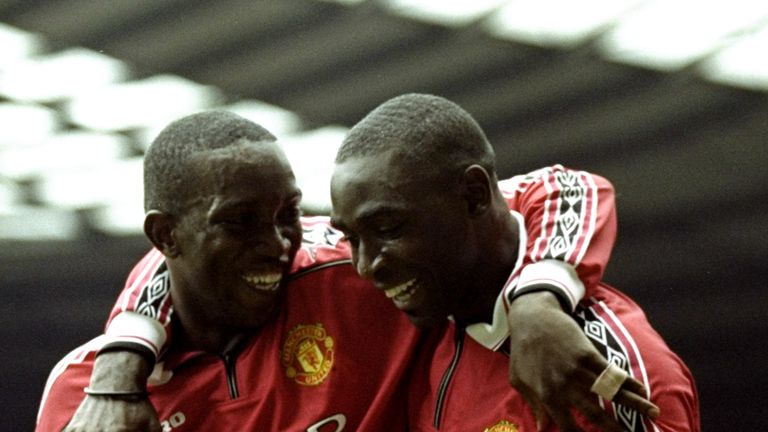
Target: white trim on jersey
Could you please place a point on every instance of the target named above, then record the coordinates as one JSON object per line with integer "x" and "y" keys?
{"x": 636, "y": 364}
{"x": 129, "y": 326}
{"x": 557, "y": 274}
{"x": 592, "y": 189}
{"x": 492, "y": 335}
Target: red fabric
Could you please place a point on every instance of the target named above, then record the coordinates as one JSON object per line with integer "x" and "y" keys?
{"x": 371, "y": 346}
{"x": 478, "y": 396}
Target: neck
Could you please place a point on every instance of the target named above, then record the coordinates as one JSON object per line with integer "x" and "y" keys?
{"x": 195, "y": 329}
{"x": 498, "y": 232}
{"x": 196, "y": 336}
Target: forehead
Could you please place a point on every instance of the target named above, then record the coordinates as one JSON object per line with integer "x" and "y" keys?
{"x": 370, "y": 185}
{"x": 250, "y": 168}
{"x": 263, "y": 159}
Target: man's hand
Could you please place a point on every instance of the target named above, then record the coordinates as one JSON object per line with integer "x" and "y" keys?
{"x": 553, "y": 365}
{"x": 117, "y": 371}
{"x": 98, "y": 413}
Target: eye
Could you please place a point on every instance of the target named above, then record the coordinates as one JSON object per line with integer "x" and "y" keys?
{"x": 236, "y": 221}
{"x": 290, "y": 214}
{"x": 389, "y": 230}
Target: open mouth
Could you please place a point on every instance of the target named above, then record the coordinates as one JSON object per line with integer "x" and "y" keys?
{"x": 263, "y": 281}
{"x": 401, "y": 293}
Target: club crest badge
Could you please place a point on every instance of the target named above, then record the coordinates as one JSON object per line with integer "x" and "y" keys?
{"x": 502, "y": 426}
{"x": 307, "y": 354}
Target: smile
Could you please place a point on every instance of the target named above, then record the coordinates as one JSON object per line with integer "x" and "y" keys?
{"x": 263, "y": 281}
{"x": 400, "y": 292}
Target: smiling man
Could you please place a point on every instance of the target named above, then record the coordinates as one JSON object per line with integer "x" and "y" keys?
{"x": 266, "y": 330}
{"x": 415, "y": 192}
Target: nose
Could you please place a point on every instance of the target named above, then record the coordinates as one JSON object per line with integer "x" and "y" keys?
{"x": 367, "y": 260}
{"x": 274, "y": 243}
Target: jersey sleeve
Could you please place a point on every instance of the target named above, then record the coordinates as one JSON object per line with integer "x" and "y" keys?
{"x": 63, "y": 390}
{"x": 141, "y": 318}
{"x": 321, "y": 243}
{"x": 570, "y": 221}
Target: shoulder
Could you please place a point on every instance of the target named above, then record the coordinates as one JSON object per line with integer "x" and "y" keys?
{"x": 321, "y": 244}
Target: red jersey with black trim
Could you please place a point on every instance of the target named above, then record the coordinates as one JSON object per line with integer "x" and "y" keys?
{"x": 567, "y": 223}
{"x": 334, "y": 359}
{"x": 457, "y": 386}
{"x": 570, "y": 221}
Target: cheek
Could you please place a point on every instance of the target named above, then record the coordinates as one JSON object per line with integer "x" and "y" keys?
{"x": 294, "y": 235}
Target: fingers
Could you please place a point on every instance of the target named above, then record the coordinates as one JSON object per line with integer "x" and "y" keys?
{"x": 633, "y": 395}
{"x": 636, "y": 402}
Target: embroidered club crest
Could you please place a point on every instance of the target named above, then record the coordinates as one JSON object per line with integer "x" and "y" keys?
{"x": 307, "y": 354}
{"x": 502, "y": 426}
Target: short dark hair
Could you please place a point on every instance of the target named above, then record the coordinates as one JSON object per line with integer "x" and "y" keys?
{"x": 169, "y": 177}
{"x": 429, "y": 130}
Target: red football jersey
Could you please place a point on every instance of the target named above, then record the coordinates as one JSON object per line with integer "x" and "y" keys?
{"x": 334, "y": 359}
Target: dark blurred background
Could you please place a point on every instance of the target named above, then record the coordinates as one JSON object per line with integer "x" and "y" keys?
{"x": 683, "y": 142}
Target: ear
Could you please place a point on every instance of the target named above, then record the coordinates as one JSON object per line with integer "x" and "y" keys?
{"x": 477, "y": 189}
{"x": 158, "y": 227}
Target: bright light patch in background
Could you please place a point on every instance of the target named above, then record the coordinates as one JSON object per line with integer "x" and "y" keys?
{"x": 112, "y": 194}
{"x": 311, "y": 155}
{"x": 79, "y": 189}
{"x": 446, "y": 12}
{"x": 9, "y": 196}
{"x": 743, "y": 64}
{"x": 277, "y": 120}
{"x": 122, "y": 213}
{"x": 557, "y": 23}
{"x": 17, "y": 44}
{"x": 25, "y": 124}
{"x": 39, "y": 224}
{"x": 140, "y": 104}
{"x": 60, "y": 75}
{"x": 70, "y": 150}
{"x": 669, "y": 35}
{"x": 23, "y": 222}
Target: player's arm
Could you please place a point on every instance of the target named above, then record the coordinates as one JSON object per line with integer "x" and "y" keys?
{"x": 136, "y": 332}
{"x": 570, "y": 221}
{"x": 122, "y": 377}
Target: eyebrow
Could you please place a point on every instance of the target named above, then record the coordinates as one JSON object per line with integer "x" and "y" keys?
{"x": 378, "y": 211}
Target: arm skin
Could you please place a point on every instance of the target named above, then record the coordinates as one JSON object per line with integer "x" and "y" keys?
{"x": 117, "y": 370}
{"x": 553, "y": 365}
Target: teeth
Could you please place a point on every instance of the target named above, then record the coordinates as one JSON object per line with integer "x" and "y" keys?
{"x": 399, "y": 289}
{"x": 263, "y": 281}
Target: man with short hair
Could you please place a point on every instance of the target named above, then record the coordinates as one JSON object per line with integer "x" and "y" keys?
{"x": 415, "y": 192}
{"x": 223, "y": 215}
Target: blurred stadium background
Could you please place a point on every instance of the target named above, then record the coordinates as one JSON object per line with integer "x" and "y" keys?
{"x": 668, "y": 99}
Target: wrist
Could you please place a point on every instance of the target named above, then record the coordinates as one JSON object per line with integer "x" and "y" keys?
{"x": 531, "y": 306}
{"x": 120, "y": 371}
{"x": 123, "y": 395}
{"x": 540, "y": 295}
